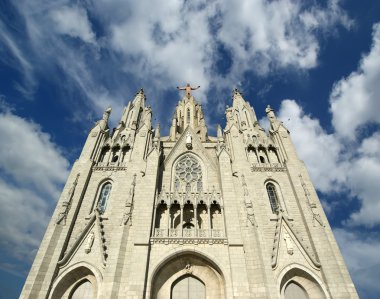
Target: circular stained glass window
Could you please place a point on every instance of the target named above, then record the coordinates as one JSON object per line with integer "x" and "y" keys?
{"x": 188, "y": 170}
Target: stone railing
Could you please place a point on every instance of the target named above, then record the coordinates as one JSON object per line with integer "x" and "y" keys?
{"x": 267, "y": 167}
{"x": 110, "y": 166}
{"x": 187, "y": 233}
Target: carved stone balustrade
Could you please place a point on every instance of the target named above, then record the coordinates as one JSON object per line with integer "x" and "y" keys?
{"x": 110, "y": 166}
{"x": 189, "y": 235}
{"x": 267, "y": 167}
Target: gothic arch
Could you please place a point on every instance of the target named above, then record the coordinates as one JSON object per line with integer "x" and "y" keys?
{"x": 280, "y": 196}
{"x": 179, "y": 264}
{"x": 305, "y": 278}
{"x": 201, "y": 163}
{"x": 99, "y": 189}
{"x": 74, "y": 275}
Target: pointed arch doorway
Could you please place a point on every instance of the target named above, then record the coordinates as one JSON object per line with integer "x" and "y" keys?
{"x": 188, "y": 287}
{"x": 188, "y": 276}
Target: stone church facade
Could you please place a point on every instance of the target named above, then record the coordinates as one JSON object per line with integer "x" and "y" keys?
{"x": 189, "y": 215}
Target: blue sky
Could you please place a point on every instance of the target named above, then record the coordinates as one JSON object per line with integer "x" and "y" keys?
{"x": 317, "y": 63}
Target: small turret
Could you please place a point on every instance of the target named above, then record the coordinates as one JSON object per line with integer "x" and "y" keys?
{"x": 241, "y": 113}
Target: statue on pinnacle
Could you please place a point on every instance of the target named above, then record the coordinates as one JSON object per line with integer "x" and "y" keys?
{"x": 188, "y": 89}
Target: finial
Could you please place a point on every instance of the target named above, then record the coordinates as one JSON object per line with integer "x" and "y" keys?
{"x": 157, "y": 132}
{"x": 268, "y": 109}
{"x": 270, "y": 114}
{"x": 219, "y": 133}
{"x": 107, "y": 113}
{"x": 237, "y": 91}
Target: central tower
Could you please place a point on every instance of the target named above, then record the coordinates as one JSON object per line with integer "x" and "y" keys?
{"x": 189, "y": 215}
{"x": 188, "y": 113}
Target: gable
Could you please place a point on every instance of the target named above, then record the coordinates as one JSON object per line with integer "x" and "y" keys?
{"x": 197, "y": 149}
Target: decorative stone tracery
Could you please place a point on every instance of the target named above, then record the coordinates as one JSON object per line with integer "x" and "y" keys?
{"x": 188, "y": 175}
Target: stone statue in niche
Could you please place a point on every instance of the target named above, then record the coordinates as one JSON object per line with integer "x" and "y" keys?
{"x": 217, "y": 220}
{"x": 204, "y": 218}
{"x": 127, "y": 216}
{"x": 164, "y": 218}
{"x": 289, "y": 243}
{"x": 89, "y": 242}
{"x": 67, "y": 203}
{"x": 189, "y": 140}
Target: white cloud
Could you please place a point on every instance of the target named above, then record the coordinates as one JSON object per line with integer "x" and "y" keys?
{"x": 363, "y": 177}
{"x": 319, "y": 150}
{"x": 336, "y": 166}
{"x": 24, "y": 216}
{"x": 355, "y": 99}
{"x": 29, "y": 156}
{"x": 361, "y": 253}
{"x": 73, "y": 21}
{"x": 150, "y": 43}
{"x": 179, "y": 42}
{"x": 32, "y": 171}
{"x": 173, "y": 44}
{"x": 267, "y": 35}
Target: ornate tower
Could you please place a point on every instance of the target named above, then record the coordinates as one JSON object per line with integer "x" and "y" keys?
{"x": 189, "y": 215}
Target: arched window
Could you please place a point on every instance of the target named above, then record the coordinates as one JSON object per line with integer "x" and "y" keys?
{"x": 103, "y": 153}
{"x": 83, "y": 291}
{"x": 246, "y": 116}
{"x": 188, "y": 287}
{"x": 103, "y": 197}
{"x": 295, "y": 291}
{"x": 130, "y": 118}
{"x": 188, "y": 115}
{"x": 273, "y": 199}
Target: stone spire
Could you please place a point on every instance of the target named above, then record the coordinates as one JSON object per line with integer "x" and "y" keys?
{"x": 188, "y": 113}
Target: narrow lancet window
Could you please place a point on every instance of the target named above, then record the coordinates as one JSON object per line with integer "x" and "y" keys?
{"x": 273, "y": 199}
{"x": 103, "y": 197}
{"x": 188, "y": 115}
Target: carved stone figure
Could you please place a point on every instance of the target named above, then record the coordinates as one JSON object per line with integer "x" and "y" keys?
{"x": 289, "y": 243}
{"x": 189, "y": 140}
{"x": 217, "y": 220}
{"x": 67, "y": 203}
{"x": 89, "y": 242}
{"x": 188, "y": 89}
{"x": 127, "y": 215}
{"x": 204, "y": 219}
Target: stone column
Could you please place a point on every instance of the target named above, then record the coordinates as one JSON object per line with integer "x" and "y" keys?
{"x": 195, "y": 220}
{"x": 222, "y": 219}
{"x": 181, "y": 221}
{"x": 169, "y": 218}
{"x": 154, "y": 219}
{"x": 209, "y": 220}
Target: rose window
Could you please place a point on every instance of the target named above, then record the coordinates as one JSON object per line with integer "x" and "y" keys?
{"x": 188, "y": 174}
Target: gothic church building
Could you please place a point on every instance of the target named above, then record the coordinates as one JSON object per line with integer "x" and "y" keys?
{"x": 189, "y": 215}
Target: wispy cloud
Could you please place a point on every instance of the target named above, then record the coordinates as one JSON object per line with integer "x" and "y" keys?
{"x": 32, "y": 171}
{"x": 97, "y": 45}
{"x": 12, "y": 54}
{"x": 73, "y": 21}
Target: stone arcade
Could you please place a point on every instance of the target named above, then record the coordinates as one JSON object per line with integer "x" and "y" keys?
{"x": 189, "y": 215}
